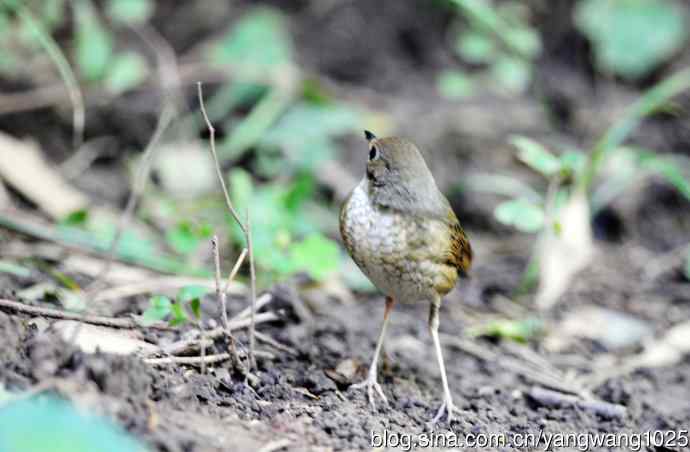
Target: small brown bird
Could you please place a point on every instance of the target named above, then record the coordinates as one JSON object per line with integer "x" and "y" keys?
{"x": 401, "y": 231}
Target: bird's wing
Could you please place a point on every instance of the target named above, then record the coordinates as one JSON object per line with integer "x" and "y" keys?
{"x": 459, "y": 252}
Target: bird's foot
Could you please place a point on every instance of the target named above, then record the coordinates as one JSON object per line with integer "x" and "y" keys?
{"x": 371, "y": 384}
{"x": 447, "y": 408}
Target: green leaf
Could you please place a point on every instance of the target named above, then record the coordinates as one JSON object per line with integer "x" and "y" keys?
{"x": 159, "y": 308}
{"x": 253, "y": 127}
{"x": 191, "y": 292}
{"x": 126, "y": 71}
{"x": 524, "y": 40}
{"x": 455, "y": 85}
{"x": 316, "y": 255}
{"x": 302, "y": 190}
{"x": 501, "y": 185}
{"x": 94, "y": 44}
{"x": 258, "y": 43}
{"x": 536, "y": 156}
{"x": 520, "y": 213}
{"x": 512, "y": 73}
{"x": 195, "y": 304}
{"x": 179, "y": 315}
{"x": 632, "y": 37}
{"x": 475, "y": 47}
{"x": 687, "y": 266}
{"x": 303, "y": 133}
{"x": 516, "y": 330}
{"x": 666, "y": 168}
{"x": 241, "y": 187}
{"x": 130, "y": 11}
{"x": 481, "y": 13}
{"x": 652, "y": 99}
{"x": 182, "y": 238}
{"x": 47, "y": 423}
{"x": 573, "y": 161}
{"x": 78, "y": 218}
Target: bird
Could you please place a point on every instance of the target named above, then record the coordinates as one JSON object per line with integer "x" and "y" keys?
{"x": 405, "y": 237}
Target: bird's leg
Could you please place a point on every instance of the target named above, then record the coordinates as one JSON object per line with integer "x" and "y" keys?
{"x": 370, "y": 383}
{"x": 447, "y": 407}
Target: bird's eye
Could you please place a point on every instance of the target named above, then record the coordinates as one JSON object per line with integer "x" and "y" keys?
{"x": 373, "y": 153}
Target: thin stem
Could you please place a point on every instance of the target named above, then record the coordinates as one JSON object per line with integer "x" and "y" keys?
{"x": 246, "y": 227}
{"x": 212, "y": 141}
{"x": 252, "y": 275}
{"x": 68, "y": 77}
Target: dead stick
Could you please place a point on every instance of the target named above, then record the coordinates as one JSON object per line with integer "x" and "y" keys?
{"x": 262, "y": 301}
{"x": 235, "y": 269}
{"x": 198, "y": 360}
{"x": 266, "y": 339}
{"x": 276, "y": 445}
{"x": 114, "y": 322}
{"x": 245, "y": 227}
{"x": 252, "y": 277}
{"x": 186, "y": 344}
{"x": 553, "y": 399}
{"x": 222, "y": 301}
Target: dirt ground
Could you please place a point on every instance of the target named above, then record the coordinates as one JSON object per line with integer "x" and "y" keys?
{"x": 303, "y": 401}
{"x": 300, "y": 399}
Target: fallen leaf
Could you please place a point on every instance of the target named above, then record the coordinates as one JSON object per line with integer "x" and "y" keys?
{"x": 23, "y": 167}
{"x": 90, "y": 338}
{"x": 563, "y": 253}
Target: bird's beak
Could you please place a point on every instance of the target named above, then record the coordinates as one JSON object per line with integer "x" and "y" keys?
{"x": 368, "y": 135}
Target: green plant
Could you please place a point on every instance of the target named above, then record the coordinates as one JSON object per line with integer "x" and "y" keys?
{"x": 571, "y": 196}
{"x": 516, "y": 330}
{"x": 497, "y": 38}
{"x": 161, "y": 307}
{"x": 95, "y": 56}
{"x": 287, "y": 240}
{"x": 632, "y": 37}
{"x": 49, "y": 423}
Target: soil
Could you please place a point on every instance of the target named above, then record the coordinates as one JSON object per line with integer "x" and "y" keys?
{"x": 387, "y": 53}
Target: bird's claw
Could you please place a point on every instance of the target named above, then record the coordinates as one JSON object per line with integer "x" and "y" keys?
{"x": 371, "y": 384}
{"x": 447, "y": 408}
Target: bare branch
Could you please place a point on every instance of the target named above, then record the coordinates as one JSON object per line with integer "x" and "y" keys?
{"x": 252, "y": 276}
{"x": 246, "y": 227}
{"x": 115, "y": 322}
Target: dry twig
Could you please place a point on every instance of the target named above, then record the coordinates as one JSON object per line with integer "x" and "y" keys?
{"x": 184, "y": 345}
{"x": 199, "y": 360}
{"x": 547, "y": 377}
{"x": 115, "y": 322}
{"x": 276, "y": 445}
{"x": 222, "y": 301}
{"x": 553, "y": 399}
{"x": 246, "y": 227}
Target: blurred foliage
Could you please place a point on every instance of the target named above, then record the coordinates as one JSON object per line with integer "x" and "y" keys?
{"x": 614, "y": 167}
{"x": 95, "y": 53}
{"x": 288, "y": 126}
{"x": 47, "y": 423}
{"x": 279, "y": 127}
{"x": 287, "y": 239}
{"x": 498, "y": 41}
{"x": 162, "y": 308}
{"x": 632, "y": 37}
{"x": 516, "y": 330}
